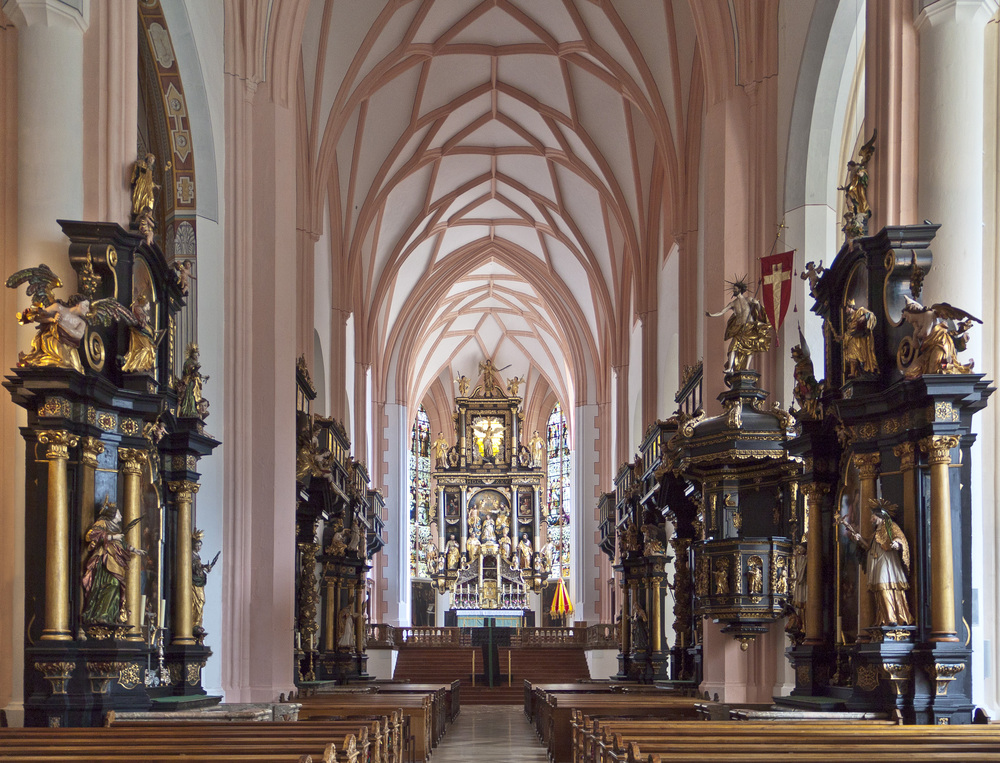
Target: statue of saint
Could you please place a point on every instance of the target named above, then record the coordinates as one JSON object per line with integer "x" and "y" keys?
{"x": 431, "y": 555}
{"x": 720, "y": 577}
{"x": 800, "y": 590}
{"x": 141, "y": 355}
{"x": 440, "y": 449}
{"x": 640, "y": 633}
{"x": 537, "y": 447}
{"x": 747, "y": 329}
{"x": 143, "y": 185}
{"x": 190, "y": 404}
{"x": 346, "y": 640}
{"x": 452, "y": 552}
{"x": 505, "y": 545}
{"x": 524, "y": 552}
{"x": 651, "y": 543}
{"x": 888, "y": 558}
{"x": 858, "y": 340}
{"x": 338, "y": 541}
{"x": 755, "y": 576}
{"x": 489, "y": 530}
{"x": 806, "y": 390}
{"x": 472, "y": 546}
{"x": 199, "y": 578}
{"x": 105, "y": 563}
{"x": 936, "y": 346}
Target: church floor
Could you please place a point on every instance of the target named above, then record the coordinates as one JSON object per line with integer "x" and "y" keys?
{"x": 486, "y": 733}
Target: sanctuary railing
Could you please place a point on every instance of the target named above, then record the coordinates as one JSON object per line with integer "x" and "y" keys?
{"x": 599, "y": 636}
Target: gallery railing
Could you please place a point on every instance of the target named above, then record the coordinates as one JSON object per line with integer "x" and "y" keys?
{"x": 600, "y": 636}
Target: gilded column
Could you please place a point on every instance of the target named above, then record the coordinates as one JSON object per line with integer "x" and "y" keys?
{"x": 814, "y": 562}
{"x": 537, "y": 498}
{"x": 656, "y": 619}
{"x": 90, "y": 449}
{"x": 442, "y": 522}
{"x": 867, "y": 465}
{"x": 183, "y": 629}
{"x": 330, "y": 616}
{"x": 463, "y": 530}
{"x": 359, "y": 616}
{"x": 938, "y": 451}
{"x": 131, "y": 461}
{"x": 57, "y": 535}
{"x": 907, "y": 454}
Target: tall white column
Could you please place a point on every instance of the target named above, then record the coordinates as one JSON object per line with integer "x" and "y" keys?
{"x": 950, "y": 191}
{"x": 49, "y": 127}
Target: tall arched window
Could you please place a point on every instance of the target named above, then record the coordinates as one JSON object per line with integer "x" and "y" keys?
{"x": 557, "y": 487}
{"x": 420, "y": 493}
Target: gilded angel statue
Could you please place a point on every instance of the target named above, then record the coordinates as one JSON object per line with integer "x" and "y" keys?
{"x": 62, "y": 324}
{"x": 936, "y": 341}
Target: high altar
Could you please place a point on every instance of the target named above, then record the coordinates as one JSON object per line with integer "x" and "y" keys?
{"x": 488, "y": 550}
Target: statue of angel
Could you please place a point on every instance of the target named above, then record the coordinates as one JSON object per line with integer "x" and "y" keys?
{"x": 812, "y": 274}
{"x": 515, "y": 384}
{"x": 62, "y": 324}
{"x": 857, "y": 212}
{"x": 143, "y": 339}
{"x": 183, "y": 270}
{"x": 936, "y": 341}
{"x": 806, "y": 390}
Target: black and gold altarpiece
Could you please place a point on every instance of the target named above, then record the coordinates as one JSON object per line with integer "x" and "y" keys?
{"x": 885, "y": 441}
{"x": 112, "y": 606}
{"x": 489, "y": 551}
{"x": 339, "y": 528}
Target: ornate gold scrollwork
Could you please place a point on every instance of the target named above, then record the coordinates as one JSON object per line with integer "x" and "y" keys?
{"x": 899, "y": 674}
{"x": 938, "y": 448}
{"x": 56, "y": 673}
{"x": 942, "y": 674}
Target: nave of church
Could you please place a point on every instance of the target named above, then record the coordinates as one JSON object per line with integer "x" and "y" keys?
{"x": 456, "y": 351}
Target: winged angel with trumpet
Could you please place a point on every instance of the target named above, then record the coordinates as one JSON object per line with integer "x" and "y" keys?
{"x": 62, "y": 324}
{"x": 936, "y": 341}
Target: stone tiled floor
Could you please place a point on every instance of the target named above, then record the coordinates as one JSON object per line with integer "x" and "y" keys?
{"x": 488, "y": 734}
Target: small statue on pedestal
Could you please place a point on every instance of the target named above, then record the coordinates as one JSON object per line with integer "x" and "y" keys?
{"x": 190, "y": 403}
{"x": 105, "y": 564}
{"x": 747, "y": 329}
{"x": 934, "y": 346}
{"x": 199, "y": 578}
{"x": 858, "y": 340}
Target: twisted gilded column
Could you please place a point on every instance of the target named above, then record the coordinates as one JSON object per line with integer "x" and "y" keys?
{"x": 59, "y": 441}
{"x": 867, "y": 465}
{"x": 130, "y": 462}
{"x": 938, "y": 451}
{"x": 812, "y": 493}
{"x": 182, "y": 621}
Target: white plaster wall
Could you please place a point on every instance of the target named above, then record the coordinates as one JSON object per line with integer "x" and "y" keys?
{"x": 382, "y": 663}
{"x": 602, "y": 663}
{"x": 584, "y": 487}
{"x": 397, "y": 570}
{"x": 667, "y": 353}
{"x": 196, "y": 29}
{"x": 635, "y": 361}
{"x": 322, "y": 310}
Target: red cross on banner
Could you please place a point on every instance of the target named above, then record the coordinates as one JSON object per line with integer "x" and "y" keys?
{"x": 776, "y": 277}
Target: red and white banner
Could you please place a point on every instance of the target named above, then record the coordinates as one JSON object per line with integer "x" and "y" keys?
{"x": 776, "y": 278}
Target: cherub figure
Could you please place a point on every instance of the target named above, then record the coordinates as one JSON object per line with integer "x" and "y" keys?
{"x": 514, "y": 385}
{"x": 61, "y": 324}
{"x": 934, "y": 345}
{"x": 463, "y": 385}
{"x": 812, "y": 274}
{"x": 747, "y": 329}
{"x": 183, "y": 270}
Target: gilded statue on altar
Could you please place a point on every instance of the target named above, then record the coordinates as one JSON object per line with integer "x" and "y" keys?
{"x": 934, "y": 346}
{"x": 747, "y": 329}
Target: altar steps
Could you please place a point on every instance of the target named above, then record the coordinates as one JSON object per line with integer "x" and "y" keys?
{"x": 540, "y": 665}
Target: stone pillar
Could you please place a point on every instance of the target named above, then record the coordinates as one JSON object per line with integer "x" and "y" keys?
{"x": 131, "y": 460}
{"x": 814, "y": 565}
{"x": 950, "y": 185}
{"x": 938, "y": 450}
{"x": 50, "y": 127}
{"x": 182, "y": 620}
{"x": 59, "y": 442}
{"x": 867, "y": 466}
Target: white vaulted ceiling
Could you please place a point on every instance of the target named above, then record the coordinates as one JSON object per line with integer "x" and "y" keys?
{"x": 496, "y": 172}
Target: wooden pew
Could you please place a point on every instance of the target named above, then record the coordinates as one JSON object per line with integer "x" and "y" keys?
{"x": 416, "y": 707}
{"x": 556, "y": 714}
{"x": 620, "y": 741}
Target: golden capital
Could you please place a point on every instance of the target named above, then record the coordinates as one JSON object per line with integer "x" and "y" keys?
{"x": 867, "y": 464}
{"x": 90, "y": 448}
{"x": 59, "y": 442}
{"x": 131, "y": 460}
{"x": 813, "y": 489}
{"x": 907, "y": 454}
{"x": 938, "y": 448}
{"x": 184, "y": 489}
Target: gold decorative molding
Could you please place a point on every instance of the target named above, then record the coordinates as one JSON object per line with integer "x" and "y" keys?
{"x": 907, "y": 454}
{"x": 131, "y": 460}
{"x": 867, "y": 678}
{"x": 90, "y": 449}
{"x": 867, "y": 464}
{"x": 899, "y": 674}
{"x": 129, "y": 675}
{"x": 185, "y": 489}
{"x": 56, "y": 673}
{"x": 938, "y": 448}
{"x": 102, "y": 674}
{"x": 942, "y": 674}
{"x": 59, "y": 442}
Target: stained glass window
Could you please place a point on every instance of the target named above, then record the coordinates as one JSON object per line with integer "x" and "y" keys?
{"x": 420, "y": 493}
{"x": 557, "y": 490}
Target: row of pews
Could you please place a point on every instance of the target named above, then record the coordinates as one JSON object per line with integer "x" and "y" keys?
{"x": 381, "y": 723}
{"x": 608, "y": 723}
